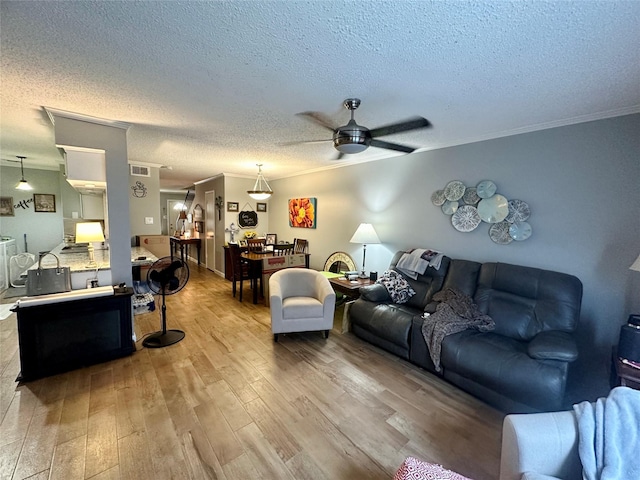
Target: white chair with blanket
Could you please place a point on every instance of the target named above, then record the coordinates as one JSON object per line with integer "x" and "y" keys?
{"x": 595, "y": 441}
{"x": 301, "y": 300}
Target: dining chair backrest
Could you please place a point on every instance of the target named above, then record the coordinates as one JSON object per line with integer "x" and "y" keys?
{"x": 300, "y": 246}
{"x": 283, "y": 249}
{"x": 255, "y": 244}
{"x": 236, "y": 260}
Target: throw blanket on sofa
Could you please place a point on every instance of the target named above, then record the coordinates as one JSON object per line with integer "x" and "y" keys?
{"x": 415, "y": 262}
{"x": 609, "y": 435}
{"x": 455, "y": 312}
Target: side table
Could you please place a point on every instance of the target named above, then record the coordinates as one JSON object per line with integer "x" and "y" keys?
{"x": 626, "y": 375}
{"x": 351, "y": 290}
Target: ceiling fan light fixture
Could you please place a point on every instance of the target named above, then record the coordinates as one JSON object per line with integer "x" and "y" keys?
{"x": 23, "y": 184}
{"x": 261, "y": 189}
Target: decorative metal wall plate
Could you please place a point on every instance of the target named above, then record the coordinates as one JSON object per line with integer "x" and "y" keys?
{"x": 519, "y": 211}
{"x": 520, "y": 231}
{"x": 466, "y": 218}
{"x": 499, "y": 233}
{"x": 454, "y": 190}
{"x": 470, "y": 196}
{"x": 486, "y": 189}
{"x": 438, "y": 198}
{"x": 449, "y": 207}
{"x": 493, "y": 209}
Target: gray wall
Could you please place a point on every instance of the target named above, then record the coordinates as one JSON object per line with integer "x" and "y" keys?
{"x": 580, "y": 181}
{"x": 26, "y": 221}
{"x": 147, "y": 206}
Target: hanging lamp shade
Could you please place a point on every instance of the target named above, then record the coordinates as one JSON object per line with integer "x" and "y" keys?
{"x": 261, "y": 189}
{"x": 23, "y": 184}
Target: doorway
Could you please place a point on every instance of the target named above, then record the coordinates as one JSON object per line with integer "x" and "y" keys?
{"x": 209, "y": 229}
{"x": 173, "y": 212}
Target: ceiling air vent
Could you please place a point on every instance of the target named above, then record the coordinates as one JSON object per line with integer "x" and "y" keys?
{"x": 140, "y": 171}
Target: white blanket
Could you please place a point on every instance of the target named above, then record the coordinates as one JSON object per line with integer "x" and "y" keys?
{"x": 417, "y": 261}
{"x": 609, "y": 436}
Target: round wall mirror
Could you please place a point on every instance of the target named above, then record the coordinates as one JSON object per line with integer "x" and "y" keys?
{"x": 339, "y": 262}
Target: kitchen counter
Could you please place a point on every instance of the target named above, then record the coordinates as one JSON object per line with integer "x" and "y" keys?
{"x": 77, "y": 259}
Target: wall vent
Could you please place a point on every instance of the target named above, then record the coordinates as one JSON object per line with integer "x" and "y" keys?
{"x": 140, "y": 171}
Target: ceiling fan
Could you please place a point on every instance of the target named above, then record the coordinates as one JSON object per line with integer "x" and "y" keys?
{"x": 353, "y": 138}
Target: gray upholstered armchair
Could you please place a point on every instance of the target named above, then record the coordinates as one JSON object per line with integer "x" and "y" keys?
{"x": 301, "y": 300}
{"x": 540, "y": 446}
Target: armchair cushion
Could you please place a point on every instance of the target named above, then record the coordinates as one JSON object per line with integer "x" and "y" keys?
{"x": 553, "y": 345}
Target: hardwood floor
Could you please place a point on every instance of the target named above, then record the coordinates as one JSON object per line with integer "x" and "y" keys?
{"x": 229, "y": 403}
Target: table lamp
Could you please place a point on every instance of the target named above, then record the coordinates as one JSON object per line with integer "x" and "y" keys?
{"x": 365, "y": 234}
{"x": 89, "y": 232}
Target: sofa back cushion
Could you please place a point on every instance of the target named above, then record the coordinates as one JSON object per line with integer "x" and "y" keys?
{"x": 425, "y": 285}
{"x": 462, "y": 276}
{"x": 525, "y": 301}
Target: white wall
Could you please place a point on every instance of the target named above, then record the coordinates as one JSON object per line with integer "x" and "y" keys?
{"x": 580, "y": 181}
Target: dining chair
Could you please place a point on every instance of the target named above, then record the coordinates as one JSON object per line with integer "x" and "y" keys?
{"x": 240, "y": 270}
{"x": 283, "y": 249}
{"x": 255, "y": 244}
{"x": 300, "y": 245}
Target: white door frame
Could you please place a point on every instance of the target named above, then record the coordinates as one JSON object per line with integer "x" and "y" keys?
{"x": 210, "y": 230}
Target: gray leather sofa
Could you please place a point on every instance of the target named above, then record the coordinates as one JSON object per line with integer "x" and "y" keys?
{"x": 521, "y": 366}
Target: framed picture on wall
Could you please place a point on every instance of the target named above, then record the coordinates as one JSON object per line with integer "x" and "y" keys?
{"x": 261, "y": 207}
{"x": 44, "y": 202}
{"x": 302, "y": 212}
{"x": 6, "y": 207}
{"x": 233, "y": 206}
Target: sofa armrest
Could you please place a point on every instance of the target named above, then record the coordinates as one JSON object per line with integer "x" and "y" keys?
{"x": 376, "y": 293}
{"x": 541, "y": 443}
{"x": 553, "y": 345}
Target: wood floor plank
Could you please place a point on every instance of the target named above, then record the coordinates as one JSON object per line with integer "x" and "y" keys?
{"x": 74, "y": 417}
{"x": 261, "y": 453}
{"x": 219, "y": 433}
{"x": 102, "y": 441}
{"x": 229, "y": 403}
{"x": 69, "y": 459}
{"x": 135, "y": 457}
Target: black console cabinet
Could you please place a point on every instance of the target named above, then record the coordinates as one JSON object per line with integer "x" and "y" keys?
{"x": 65, "y": 335}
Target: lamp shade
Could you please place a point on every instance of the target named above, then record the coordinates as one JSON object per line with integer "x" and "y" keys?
{"x": 89, "y": 232}
{"x": 635, "y": 265}
{"x": 365, "y": 234}
{"x": 182, "y": 215}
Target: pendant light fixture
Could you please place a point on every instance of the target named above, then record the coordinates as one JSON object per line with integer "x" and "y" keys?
{"x": 261, "y": 189}
{"x": 23, "y": 184}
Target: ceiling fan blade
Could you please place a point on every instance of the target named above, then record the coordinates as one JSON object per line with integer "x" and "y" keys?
{"x": 410, "y": 124}
{"x": 299, "y": 142}
{"x": 319, "y": 118}
{"x": 391, "y": 146}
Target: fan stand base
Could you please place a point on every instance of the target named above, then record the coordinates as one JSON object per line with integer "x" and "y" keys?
{"x": 163, "y": 339}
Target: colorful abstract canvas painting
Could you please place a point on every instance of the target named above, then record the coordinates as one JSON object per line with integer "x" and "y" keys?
{"x": 302, "y": 212}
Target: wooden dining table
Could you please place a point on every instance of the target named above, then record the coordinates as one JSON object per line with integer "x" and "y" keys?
{"x": 256, "y": 261}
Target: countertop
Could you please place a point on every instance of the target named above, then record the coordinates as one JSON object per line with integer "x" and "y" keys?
{"x": 77, "y": 259}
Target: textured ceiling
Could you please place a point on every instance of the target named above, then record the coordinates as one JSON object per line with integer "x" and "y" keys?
{"x": 213, "y": 87}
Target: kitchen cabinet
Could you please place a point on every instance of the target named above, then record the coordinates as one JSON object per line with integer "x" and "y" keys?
{"x": 92, "y": 207}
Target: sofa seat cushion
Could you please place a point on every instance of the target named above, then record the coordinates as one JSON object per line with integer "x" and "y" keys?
{"x": 390, "y": 322}
{"x": 502, "y": 364}
{"x": 302, "y": 307}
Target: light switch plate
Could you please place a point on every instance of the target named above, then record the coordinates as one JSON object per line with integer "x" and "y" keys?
{"x": 148, "y": 220}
